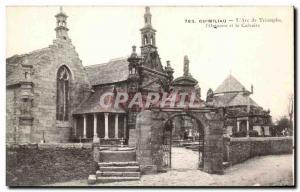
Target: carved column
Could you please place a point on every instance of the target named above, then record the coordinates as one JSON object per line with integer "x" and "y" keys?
{"x": 106, "y": 126}
{"x": 116, "y": 126}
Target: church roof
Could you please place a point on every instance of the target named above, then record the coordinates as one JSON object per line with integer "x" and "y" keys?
{"x": 233, "y": 99}
{"x": 92, "y": 103}
{"x": 230, "y": 84}
{"x": 241, "y": 99}
{"x": 111, "y": 72}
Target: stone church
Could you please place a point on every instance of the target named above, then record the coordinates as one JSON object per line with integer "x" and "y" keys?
{"x": 52, "y": 97}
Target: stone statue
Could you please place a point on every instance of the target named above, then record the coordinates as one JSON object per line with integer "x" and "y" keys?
{"x": 209, "y": 95}
{"x": 186, "y": 66}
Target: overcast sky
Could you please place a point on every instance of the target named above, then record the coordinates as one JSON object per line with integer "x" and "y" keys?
{"x": 260, "y": 56}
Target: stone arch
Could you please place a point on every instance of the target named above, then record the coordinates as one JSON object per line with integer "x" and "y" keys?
{"x": 72, "y": 76}
{"x": 200, "y": 129}
{"x": 148, "y": 134}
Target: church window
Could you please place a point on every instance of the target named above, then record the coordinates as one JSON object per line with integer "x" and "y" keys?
{"x": 63, "y": 88}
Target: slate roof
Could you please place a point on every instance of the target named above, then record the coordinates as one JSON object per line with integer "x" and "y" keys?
{"x": 111, "y": 72}
{"x": 92, "y": 103}
{"x": 233, "y": 99}
{"x": 230, "y": 84}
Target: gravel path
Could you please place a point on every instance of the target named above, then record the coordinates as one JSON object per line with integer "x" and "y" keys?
{"x": 272, "y": 170}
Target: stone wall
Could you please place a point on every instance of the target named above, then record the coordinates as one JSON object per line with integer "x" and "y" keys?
{"x": 46, "y": 64}
{"x": 11, "y": 113}
{"x": 237, "y": 150}
{"x": 39, "y": 164}
{"x": 30, "y": 119}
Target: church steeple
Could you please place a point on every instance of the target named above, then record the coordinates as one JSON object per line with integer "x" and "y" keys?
{"x": 148, "y": 33}
{"x": 61, "y": 25}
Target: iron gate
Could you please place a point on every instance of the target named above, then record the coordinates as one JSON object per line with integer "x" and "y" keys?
{"x": 167, "y": 146}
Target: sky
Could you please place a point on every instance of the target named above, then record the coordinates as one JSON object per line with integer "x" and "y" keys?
{"x": 262, "y": 56}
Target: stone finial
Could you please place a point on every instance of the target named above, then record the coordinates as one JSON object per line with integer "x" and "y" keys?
{"x": 147, "y": 9}
{"x": 168, "y": 64}
{"x": 147, "y": 16}
{"x": 133, "y": 49}
{"x": 186, "y": 66}
{"x": 133, "y": 54}
{"x": 169, "y": 70}
{"x": 61, "y": 9}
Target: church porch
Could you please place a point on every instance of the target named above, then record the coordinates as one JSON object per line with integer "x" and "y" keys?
{"x": 101, "y": 127}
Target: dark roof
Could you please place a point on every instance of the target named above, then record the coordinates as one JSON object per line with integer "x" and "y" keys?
{"x": 92, "y": 103}
{"x": 230, "y": 84}
{"x": 185, "y": 80}
{"x": 233, "y": 99}
{"x": 111, "y": 72}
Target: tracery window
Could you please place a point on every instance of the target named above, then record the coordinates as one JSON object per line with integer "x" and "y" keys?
{"x": 63, "y": 89}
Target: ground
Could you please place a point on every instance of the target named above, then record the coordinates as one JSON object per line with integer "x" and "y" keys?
{"x": 272, "y": 170}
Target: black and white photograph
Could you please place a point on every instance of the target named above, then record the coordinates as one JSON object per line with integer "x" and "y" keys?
{"x": 149, "y": 96}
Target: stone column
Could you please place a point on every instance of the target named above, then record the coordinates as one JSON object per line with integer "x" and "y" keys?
{"x": 75, "y": 126}
{"x": 106, "y": 126}
{"x": 125, "y": 128}
{"x": 248, "y": 127}
{"x": 95, "y": 138}
{"x": 84, "y": 126}
{"x": 238, "y": 125}
{"x": 116, "y": 126}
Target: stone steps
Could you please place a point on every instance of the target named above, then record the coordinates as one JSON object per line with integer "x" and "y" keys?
{"x": 118, "y": 164}
{"x": 116, "y": 171}
{"x": 115, "y": 179}
{"x": 120, "y": 169}
{"x": 117, "y": 174}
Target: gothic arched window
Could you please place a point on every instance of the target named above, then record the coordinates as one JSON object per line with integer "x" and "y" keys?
{"x": 63, "y": 87}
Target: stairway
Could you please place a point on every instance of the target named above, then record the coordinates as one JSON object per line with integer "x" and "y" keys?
{"x": 116, "y": 171}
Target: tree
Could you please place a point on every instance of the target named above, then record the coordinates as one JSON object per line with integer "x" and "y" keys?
{"x": 291, "y": 113}
{"x": 282, "y": 124}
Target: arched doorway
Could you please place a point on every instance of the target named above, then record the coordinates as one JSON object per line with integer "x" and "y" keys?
{"x": 189, "y": 146}
{"x": 152, "y": 140}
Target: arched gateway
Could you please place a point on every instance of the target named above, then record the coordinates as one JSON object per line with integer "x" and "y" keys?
{"x": 149, "y": 136}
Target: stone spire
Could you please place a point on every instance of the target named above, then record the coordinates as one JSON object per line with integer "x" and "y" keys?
{"x": 61, "y": 25}
{"x": 186, "y": 66}
{"x": 148, "y": 33}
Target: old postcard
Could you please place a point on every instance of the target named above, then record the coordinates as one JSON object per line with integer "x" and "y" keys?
{"x": 150, "y": 96}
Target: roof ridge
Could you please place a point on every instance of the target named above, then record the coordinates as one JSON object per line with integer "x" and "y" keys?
{"x": 108, "y": 62}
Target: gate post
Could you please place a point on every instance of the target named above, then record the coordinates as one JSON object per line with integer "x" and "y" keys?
{"x": 213, "y": 146}
{"x": 144, "y": 142}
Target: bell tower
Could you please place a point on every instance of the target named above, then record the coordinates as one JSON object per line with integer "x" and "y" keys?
{"x": 147, "y": 34}
{"x": 61, "y": 25}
